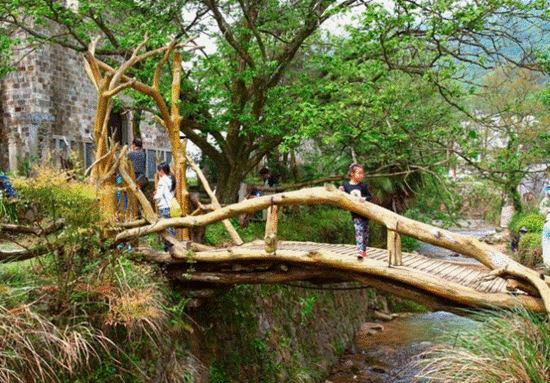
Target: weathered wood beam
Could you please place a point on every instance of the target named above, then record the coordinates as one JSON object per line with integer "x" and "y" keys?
{"x": 399, "y": 278}
{"x": 228, "y": 226}
{"x": 265, "y": 277}
{"x": 37, "y": 230}
{"x": 271, "y": 229}
{"x": 7, "y": 256}
{"x": 395, "y": 257}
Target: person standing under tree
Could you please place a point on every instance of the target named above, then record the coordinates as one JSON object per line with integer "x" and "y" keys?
{"x": 165, "y": 192}
{"x": 269, "y": 179}
{"x": 137, "y": 158}
{"x": 357, "y": 188}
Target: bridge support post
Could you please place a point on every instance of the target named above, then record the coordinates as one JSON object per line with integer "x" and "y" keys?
{"x": 394, "y": 248}
{"x": 271, "y": 229}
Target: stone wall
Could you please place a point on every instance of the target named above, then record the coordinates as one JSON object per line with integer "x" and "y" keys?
{"x": 279, "y": 333}
{"x": 48, "y": 94}
{"x": 49, "y": 102}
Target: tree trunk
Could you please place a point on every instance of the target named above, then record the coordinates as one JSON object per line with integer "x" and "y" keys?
{"x": 515, "y": 198}
{"x": 229, "y": 182}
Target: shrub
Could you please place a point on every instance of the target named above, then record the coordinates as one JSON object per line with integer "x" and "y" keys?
{"x": 507, "y": 347}
{"x": 84, "y": 313}
{"x": 321, "y": 224}
{"x": 57, "y": 196}
{"x": 530, "y": 249}
{"x": 533, "y": 222}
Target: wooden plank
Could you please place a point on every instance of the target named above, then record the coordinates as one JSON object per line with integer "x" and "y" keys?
{"x": 462, "y": 277}
{"x": 431, "y": 267}
{"x": 452, "y": 269}
{"x": 418, "y": 263}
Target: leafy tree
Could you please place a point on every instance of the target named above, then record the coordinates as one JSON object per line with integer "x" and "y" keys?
{"x": 509, "y": 135}
{"x": 235, "y": 103}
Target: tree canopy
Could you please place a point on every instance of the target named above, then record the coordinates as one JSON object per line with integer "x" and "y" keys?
{"x": 276, "y": 77}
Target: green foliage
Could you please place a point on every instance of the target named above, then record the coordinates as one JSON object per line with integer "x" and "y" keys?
{"x": 507, "y": 347}
{"x": 8, "y": 210}
{"x": 435, "y": 198}
{"x": 6, "y": 43}
{"x": 533, "y": 222}
{"x": 57, "y": 197}
{"x": 480, "y": 200}
{"x": 307, "y": 303}
{"x": 531, "y": 241}
{"x": 302, "y": 223}
{"x": 83, "y": 312}
{"x": 529, "y": 250}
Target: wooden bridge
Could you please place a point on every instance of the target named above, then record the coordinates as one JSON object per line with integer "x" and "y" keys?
{"x": 493, "y": 281}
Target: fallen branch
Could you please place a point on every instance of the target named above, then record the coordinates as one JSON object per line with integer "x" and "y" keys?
{"x": 36, "y": 230}
{"x": 7, "y": 256}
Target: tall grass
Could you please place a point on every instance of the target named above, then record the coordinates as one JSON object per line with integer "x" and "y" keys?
{"x": 84, "y": 312}
{"x": 33, "y": 349}
{"x": 508, "y": 347}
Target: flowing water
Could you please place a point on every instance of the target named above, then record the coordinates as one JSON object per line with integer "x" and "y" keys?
{"x": 382, "y": 352}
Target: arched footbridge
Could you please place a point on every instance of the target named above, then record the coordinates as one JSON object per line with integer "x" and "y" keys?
{"x": 490, "y": 280}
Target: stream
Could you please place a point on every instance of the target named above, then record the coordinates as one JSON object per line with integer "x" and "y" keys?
{"x": 382, "y": 351}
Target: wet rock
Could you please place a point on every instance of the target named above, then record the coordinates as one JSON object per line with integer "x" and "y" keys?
{"x": 370, "y": 329}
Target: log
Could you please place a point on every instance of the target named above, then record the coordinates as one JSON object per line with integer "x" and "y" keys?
{"x": 7, "y": 256}
{"x": 264, "y": 277}
{"x": 394, "y": 248}
{"x": 36, "y": 230}
{"x": 271, "y": 229}
{"x": 434, "y": 293}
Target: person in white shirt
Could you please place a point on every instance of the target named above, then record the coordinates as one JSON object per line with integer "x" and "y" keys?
{"x": 166, "y": 188}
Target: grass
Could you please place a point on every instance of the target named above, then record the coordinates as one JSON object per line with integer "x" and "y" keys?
{"x": 84, "y": 312}
{"x": 507, "y": 347}
{"x": 305, "y": 223}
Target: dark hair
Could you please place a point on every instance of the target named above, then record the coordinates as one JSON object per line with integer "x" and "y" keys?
{"x": 352, "y": 168}
{"x": 166, "y": 169}
{"x": 264, "y": 171}
{"x": 137, "y": 142}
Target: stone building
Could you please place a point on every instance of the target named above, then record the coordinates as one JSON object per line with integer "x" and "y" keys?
{"x": 47, "y": 111}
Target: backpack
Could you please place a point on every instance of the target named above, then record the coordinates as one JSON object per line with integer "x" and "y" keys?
{"x": 175, "y": 208}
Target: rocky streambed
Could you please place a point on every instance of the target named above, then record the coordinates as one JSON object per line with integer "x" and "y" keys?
{"x": 385, "y": 352}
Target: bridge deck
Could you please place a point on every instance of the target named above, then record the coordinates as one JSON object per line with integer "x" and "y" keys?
{"x": 465, "y": 274}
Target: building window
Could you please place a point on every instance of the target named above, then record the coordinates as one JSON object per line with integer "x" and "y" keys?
{"x": 63, "y": 146}
{"x": 89, "y": 151}
{"x": 155, "y": 157}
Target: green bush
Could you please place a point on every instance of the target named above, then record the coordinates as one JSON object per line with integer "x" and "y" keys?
{"x": 530, "y": 249}
{"x": 533, "y": 222}
{"x": 322, "y": 224}
{"x": 58, "y": 197}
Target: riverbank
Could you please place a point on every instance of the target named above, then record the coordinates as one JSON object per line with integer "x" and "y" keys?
{"x": 384, "y": 352}
{"x": 280, "y": 333}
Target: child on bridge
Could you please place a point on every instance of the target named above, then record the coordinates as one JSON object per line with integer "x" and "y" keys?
{"x": 357, "y": 188}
